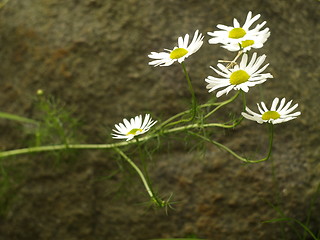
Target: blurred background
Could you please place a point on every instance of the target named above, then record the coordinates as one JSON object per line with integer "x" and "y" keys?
{"x": 91, "y": 55}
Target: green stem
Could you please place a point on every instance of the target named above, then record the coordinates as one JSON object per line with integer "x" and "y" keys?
{"x": 17, "y": 118}
{"x": 235, "y": 154}
{"x": 185, "y": 112}
{"x": 145, "y": 183}
{"x": 244, "y": 100}
{"x": 172, "y": 118}
{"x": 222, "y": 104}
{"x": 105, "y": 146}
{"x": 194, "y": 101}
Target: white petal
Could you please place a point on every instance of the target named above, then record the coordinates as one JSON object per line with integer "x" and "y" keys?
{"x": 274, "y": 104}
{"x": 283, "y": 100}
{"x": 186, "y": 41}
{"x": 290, "y": 109}
{"x": 236, "y": 23}
{"x": 243, "y": 62}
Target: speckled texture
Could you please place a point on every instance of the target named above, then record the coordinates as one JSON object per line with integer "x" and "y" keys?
{"x": 92, "y": 54}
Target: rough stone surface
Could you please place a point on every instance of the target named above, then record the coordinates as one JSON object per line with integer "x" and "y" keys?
{"x": 92, "y": 55}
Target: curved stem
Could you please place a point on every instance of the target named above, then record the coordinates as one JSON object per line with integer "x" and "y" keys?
{"x": 172, "y": 118}
{"x": 222, "y": 104}
{"x": 137, "y": 169}
{"x": 187, "y": 111}
{"x": 235, "y": 154}
{"x": 105, "y": 146}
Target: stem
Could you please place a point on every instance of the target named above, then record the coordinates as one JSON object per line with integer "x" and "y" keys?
{"x": 222, "y": 104}
{"x": 145, "y": 183}
{"x": 17, "y": 118}
{"x": 235, "y": 154}
{"x": 244, "y": 100}
{"x": 233, "y": 62}
{"x": 185, "y": 112}
{"x": 105, "y": 146}
{"x": 172, "y": 118}
{"x": 193, "y": 101}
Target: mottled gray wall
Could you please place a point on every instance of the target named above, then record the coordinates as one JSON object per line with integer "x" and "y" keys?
{"x": 92, "y": 54}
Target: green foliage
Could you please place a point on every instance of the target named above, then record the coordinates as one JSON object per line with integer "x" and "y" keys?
{"x": 55, "y": 124}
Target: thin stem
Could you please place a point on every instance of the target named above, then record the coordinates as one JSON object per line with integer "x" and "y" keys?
{"x": 271, "y": 132}
{"x": 145, "y": 183}
{"x": 233, "y": 62}
{"x": 222, "y": 104}
{"x": 172, "y": 118}
{"x": 235, "y": 154}
{"x": 244, "y": 100}
{"x": 194, "y": 102}
{"x": 187, "y": 111}
{"x": 17, "y": 118}
{"x": 105, "y": 146}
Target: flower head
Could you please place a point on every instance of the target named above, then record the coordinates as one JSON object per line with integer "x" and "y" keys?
{"x": 275, "y": 115}
{"x": 236, "y": 37}
{"x": 242, "y": 76}
{"x": 128, "y": 130}
{"x": 247, "y": 45}
{"x": 179, "y": 53}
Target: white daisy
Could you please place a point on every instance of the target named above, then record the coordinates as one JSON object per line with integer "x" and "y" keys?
{"x": 247, "y": 45}
{"x": 275, "y": 115}
{"x": 128, "y": 130}
{"x": 242, "y": 76}
{"x": 243, "y": 36}
{"x": 179, "y": 53}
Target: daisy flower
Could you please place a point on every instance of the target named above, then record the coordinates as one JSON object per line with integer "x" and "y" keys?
{"x": 247, "y": 45}
{"x": 242, "y": 76}
{"x": 237, "y": 36}
{"x": 179, "y": 53}
{"x": 128, "y": 130}
{"x": 275, "y": 115}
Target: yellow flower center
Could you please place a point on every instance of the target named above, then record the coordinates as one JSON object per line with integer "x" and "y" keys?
{"x": 239, "y": 77}
{"x": 178, "y": 53}
{"x": 270, "y": 115}
{"x": 237, "y": 33}
{"x": 134, "y": 131}
{"x": 246, "y": 43}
